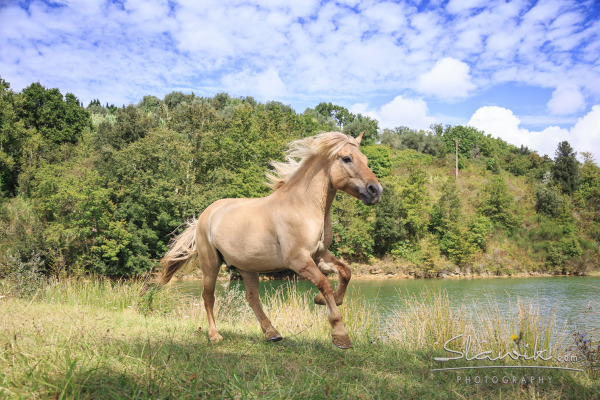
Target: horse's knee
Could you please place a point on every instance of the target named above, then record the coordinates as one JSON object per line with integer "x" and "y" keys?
{"x": 345, "y": 272}
{"x": 324, "y": 286}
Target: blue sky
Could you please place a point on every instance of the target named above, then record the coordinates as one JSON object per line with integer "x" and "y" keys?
{"x": 526, "y": 71}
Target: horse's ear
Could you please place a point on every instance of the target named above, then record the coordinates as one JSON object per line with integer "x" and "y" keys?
{"x": 359, "y": 138}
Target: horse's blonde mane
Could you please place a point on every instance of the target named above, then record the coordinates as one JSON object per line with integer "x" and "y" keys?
{"x": 326, "y": 144}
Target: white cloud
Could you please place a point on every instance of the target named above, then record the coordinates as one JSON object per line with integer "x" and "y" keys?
{"x": 401, "y": 111}
{"x": 449, "y": 79}
{"x": 386, "y": 17}
{"x": 458, "y": 6}
{"x": 566, "y": 99}
{"x": 266, "y": 85}
{"x": 587, "y": 132}
{"x": 501, "y": 122}
{"x": 305, "y": 52}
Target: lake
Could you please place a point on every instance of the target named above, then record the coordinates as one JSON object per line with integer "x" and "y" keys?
{"x": 566, "y": 297}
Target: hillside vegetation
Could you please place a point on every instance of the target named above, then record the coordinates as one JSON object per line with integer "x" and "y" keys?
{"x": 101, "y": 189}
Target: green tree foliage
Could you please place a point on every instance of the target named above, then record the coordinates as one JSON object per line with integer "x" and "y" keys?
{"x": 379, "y": 160}
{"x": 491, "y": 164}
{"x": 150, "y": 103}
{"x": 421, "y": 141}
{"x": 340, "y": 114}
{"x": 589, "y": 196}
{"x": 401, "y": 215}
{"x": 498, "y": 204}
{"x": 36, "y": 125}
{"x": 13, "y": 136}
{"x": 58, "y": 119}
{"x": 352, "y": 225}
{"x": 340, "y": 118}
{"x": 549, "y": 202}
{"x": 460, "y": 236}
{"x": 447, "y": 211}
{"x": 131, "y": 124}
{"x": 388, "y": 224}
{"x": 565, "y": 170}
{"x": 104, "y": 193}
{"x": 363, "y": 124}
{"x": 468, "y": 138}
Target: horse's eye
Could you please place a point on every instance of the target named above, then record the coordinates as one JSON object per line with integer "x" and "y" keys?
{"x": 347, "y": 159}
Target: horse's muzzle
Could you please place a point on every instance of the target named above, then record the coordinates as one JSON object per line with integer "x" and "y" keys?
{"x": 371, "y": 194}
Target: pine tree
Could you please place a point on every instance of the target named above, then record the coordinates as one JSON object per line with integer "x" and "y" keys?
{"x": 565, "y": 170}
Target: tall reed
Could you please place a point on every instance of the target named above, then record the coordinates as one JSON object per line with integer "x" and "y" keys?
{"x": 431, "y": 318}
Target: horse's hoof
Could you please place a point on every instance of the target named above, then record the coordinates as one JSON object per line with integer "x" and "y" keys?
{"x": 272, "y": 335}
{"x": 342, "y": 341}
{"x": 319, "y": 299}
{"x": 216, "y": 338}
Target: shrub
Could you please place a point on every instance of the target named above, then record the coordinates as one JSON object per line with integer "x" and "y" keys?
{"x": 499, "y": 204}
{"x": 491, "y": 164}
{"x": 23, "y": 279}
{"x": 548, "y": 201}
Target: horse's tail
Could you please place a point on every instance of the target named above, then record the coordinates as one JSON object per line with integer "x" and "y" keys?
{"x": 182, "y": 251}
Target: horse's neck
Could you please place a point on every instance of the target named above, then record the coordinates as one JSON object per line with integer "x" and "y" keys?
{"x": 313, "y": 184}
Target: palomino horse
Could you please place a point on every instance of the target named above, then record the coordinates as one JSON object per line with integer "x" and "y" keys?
{"x": 289, "y": 229}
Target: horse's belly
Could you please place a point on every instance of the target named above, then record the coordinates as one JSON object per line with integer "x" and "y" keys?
{"x": 244, "y": 238}
{"x": 256, "y": 259}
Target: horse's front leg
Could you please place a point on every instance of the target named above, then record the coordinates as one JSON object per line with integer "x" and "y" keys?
{"x": 251, "y": 284}
{"x": 303, "y": 265}
{"x": 344, "y": 274}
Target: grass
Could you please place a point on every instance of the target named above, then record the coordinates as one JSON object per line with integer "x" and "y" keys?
{"x": 99, "y": 339}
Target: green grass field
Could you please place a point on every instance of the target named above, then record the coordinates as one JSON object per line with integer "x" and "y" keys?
{"x": 96, "y": 339}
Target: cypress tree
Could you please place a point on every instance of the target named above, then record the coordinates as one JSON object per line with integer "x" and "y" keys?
{"x": 565, "y": 170}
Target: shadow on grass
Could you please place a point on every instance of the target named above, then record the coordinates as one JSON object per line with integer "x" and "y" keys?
{"x": 247, "y": 366}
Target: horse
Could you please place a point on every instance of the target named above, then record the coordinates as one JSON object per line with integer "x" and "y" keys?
{"x": 288, "y": 229}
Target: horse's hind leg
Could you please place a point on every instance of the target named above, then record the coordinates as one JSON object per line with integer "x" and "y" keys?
{"x": 344, "y": 274}
{"x": 251, "y": 284}
{"x": 210, "y": 262}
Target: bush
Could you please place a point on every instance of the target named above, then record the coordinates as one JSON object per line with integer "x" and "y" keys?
{"x": 22, "y": 279}
{"x": 499, "y": 204}
{"x": 379, "y": 160}
{"x": 353, "y": 235}
{"x": 548, "y": 201}
{"x": 491, "y": 164}
{"x": 456, "y": 246}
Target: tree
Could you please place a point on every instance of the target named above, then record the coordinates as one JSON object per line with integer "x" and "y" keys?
{"x": 360, "y": 124}
{"x": 405, "y": 138}
{"x": 13, "y": 135}
{"x": 58, "y": 120}
{"x": 149, "y": 103}
{"x": 340, "y": 114}
{"x": 565, "y": 170}
{"x": 400, "y": 216}
{"x": 548, "y": 201}
{"x": 447, "y": 210}
{"x": 499, "y": 204}
{"x": 131, "y": 124}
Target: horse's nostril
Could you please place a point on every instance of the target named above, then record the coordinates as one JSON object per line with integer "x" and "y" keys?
{"x": 373, "y": 189}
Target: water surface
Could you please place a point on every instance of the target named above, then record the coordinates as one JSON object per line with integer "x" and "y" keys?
{"x": 565, "y": 297}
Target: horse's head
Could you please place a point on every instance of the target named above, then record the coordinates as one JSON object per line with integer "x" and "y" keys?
{"x": 350, "y": 173}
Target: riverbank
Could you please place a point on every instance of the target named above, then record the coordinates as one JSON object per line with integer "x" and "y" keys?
{"x": 100, "y": 339}
{"x": 393, "y": 270}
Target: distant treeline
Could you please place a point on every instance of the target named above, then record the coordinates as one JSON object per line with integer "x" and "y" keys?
{"x": 101, "y": 189}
